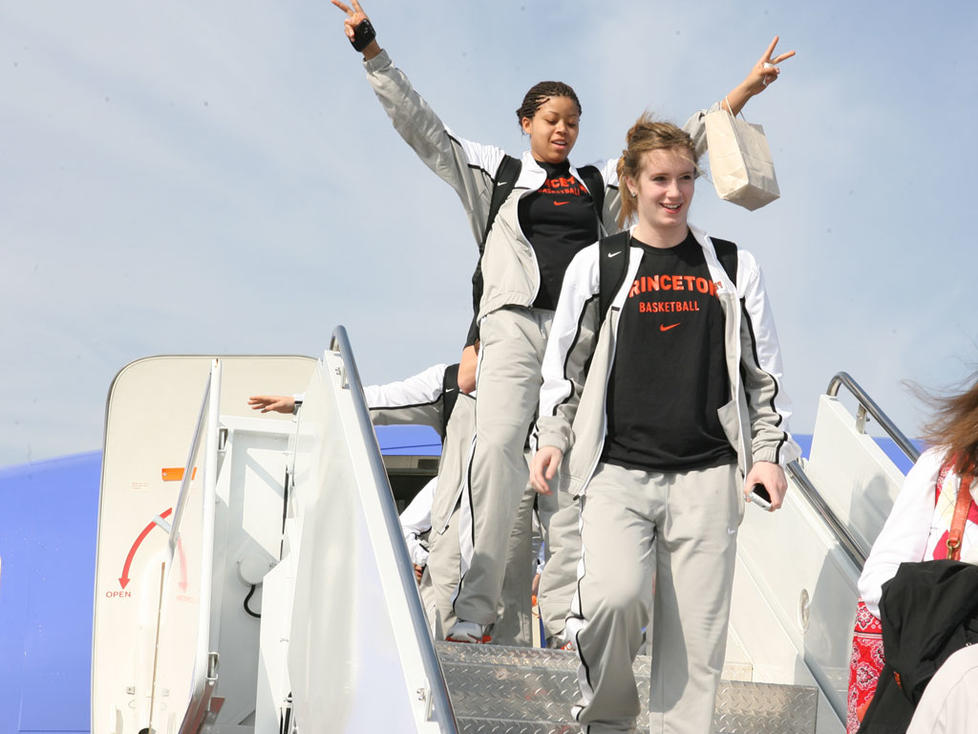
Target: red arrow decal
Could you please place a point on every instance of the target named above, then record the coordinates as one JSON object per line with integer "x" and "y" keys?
{"x": 124, "y": 579}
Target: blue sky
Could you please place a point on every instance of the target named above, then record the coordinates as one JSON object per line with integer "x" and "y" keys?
{"x": 218, "y": 178}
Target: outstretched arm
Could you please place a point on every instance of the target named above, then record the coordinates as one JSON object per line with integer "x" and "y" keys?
{"x": 354, "y": 17}
{"x": 417, "y": 399}
{"x": 468, "y": 167}
{"x": 268, "y": 403}
{"x": 764, "y": 73}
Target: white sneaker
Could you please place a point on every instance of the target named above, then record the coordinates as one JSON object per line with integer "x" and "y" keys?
{"x": 559, "y": 642}
{"x": 471, "y": 632}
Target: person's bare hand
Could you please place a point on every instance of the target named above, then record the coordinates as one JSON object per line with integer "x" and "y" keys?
{"x": 354, "y": 17}
{"x": 546, "y": 461}
{"x": 269, "y": 403}
{"x": 772, "y": 477}
{"x": 762, "y": 74}
{"x": 765, "y": 72}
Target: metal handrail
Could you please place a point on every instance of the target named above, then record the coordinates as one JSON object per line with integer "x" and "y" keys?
{"x": 173, "y": 527}
{"x": 867, "y": 404}
{"x": 442, "y": 706}
{"x": 851, "y": 546}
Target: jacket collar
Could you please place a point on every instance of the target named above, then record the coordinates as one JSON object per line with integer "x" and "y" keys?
{"x": 532, "y": 174}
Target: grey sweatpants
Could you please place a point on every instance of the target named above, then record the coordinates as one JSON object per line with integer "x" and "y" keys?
{"x": 692, "y": 518}
{"x": 440, "y": 581}
{"x": 514, "y": 613}
{"x": 559, "y": 579}
{"x": 510, "y": 355}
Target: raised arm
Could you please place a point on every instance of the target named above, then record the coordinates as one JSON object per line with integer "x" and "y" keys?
{"x": 764, "y": 73}
{"x": 356, "y": 21}
{"x": 466, "y": 166}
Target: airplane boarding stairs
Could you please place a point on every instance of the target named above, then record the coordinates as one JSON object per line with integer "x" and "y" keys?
{"x": 291, "y": 605}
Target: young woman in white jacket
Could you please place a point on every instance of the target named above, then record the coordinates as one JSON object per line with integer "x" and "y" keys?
{"x": 547, "y": 218}
{"x": 668, "y": 406}
{"x": 918, "y": 528}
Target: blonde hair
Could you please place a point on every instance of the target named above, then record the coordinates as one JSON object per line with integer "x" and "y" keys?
{"x": 646, "y": 135}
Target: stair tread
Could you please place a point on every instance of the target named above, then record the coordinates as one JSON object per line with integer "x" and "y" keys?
{"x": 530, "y": 691}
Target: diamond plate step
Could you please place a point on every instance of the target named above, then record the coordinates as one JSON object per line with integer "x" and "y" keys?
{"x": 516, "y": 690}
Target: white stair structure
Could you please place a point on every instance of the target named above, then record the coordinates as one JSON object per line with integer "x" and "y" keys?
{"x": 271, "y": 592}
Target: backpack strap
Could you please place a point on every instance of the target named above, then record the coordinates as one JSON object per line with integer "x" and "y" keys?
{"x": 449, "y": 394}
{"x": 595, "y": 185}
{"x": 612, "y": 265}
{"x": 502, "y": 186}
{"x": 727, "y": 255}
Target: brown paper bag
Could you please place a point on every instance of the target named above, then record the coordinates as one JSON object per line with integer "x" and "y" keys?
{"x": 740, "y": 161}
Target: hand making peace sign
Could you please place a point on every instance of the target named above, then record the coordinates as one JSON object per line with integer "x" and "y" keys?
{"x": 766, "y": 69}
{"x": 354, "y": 17}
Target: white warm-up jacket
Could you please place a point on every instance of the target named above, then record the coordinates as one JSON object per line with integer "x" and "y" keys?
{"x": 573, "y": 401}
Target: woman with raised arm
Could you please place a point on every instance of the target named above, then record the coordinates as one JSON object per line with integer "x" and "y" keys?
{"x": 680, "y": 408}
{"x": 530, "y": 217}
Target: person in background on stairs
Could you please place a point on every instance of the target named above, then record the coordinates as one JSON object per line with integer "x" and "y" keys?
{"x": 667, "y": 406}
{"x": 436, "y": 397}
{"x": 934, "y": 517}
{"x": 551, "y": 211}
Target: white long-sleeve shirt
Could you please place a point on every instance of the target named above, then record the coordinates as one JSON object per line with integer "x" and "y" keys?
{"x": 416, "y": 521}
{"x": 914, "y": 527}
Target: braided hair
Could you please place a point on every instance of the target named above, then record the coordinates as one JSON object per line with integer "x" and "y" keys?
{"x": 540, "y": 93}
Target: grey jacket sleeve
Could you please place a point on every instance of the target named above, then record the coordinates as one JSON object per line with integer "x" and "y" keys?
{"x": 696, "y": 127}
{"x": 761, "y": 369}
{"x": 573, "y": 335}
{"x": 466, "y": 166}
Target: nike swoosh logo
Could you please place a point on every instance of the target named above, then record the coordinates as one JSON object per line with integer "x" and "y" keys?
{"x": 663, "y": 327}
{"x": 561, "y": 203}
{"x": 614, "y": 254}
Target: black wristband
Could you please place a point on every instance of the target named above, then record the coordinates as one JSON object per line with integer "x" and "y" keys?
{"x": 363, "y": 34}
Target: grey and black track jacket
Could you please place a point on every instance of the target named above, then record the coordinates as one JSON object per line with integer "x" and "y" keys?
{"x": 581, "y": 351}
{"x": 509, "y": 267}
